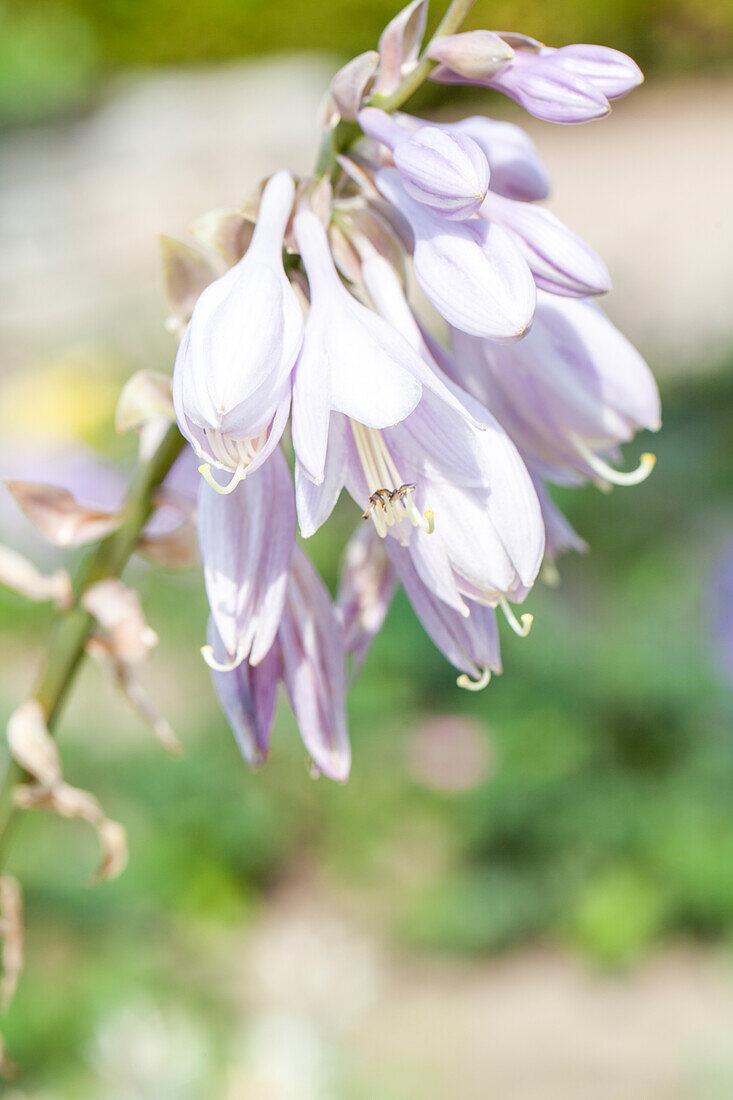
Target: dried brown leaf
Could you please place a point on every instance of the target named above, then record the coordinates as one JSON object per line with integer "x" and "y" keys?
{"x": 32, "y": 745}
{"x": 119, "y": 612}
{"x": 67, "y": 801}
{"x": 59, "y": 517}
{"x": 22, "y": 576}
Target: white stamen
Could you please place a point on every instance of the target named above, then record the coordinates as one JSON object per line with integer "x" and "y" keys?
{"x": 523, "y": 628}
{"x": 390, "y": 498}
{"x": 207, "y": 653}
{"x": 238, "y": 475}
{"x": 464, "y": 681}
{"x": 606, "y": 471}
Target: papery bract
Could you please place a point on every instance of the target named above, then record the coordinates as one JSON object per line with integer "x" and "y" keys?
{"x": 474, "y": 55}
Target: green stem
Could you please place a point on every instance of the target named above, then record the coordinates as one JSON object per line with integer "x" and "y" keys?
{"x": 108, "y": 560}
{"x": 341, "y": 136}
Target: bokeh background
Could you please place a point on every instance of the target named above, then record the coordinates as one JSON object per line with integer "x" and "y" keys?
{"x": 525, "y": 894}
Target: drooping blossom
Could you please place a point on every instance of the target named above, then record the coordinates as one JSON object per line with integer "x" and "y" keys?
{"x": 568, "y": 394}
{"x": 231, "y": 383}
{"x": 307, "y": 655}
{"x": 247, "y": 539}
{"x": 448, "y": 448}
{"x": 472, "y": 271}
{"x": 445, "y": 480}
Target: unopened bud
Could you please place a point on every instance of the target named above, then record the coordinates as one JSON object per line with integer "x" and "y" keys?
{"x": 447, "y": 172}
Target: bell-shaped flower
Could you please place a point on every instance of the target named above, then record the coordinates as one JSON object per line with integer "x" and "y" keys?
{"x": 560, "y": 261}
{"x": 446, "y": 481}
{"x": 572, "y": 390}
{"x": 231, "y": 383}
{"x": 445, "y": 171}
{"x": 352, "y": 361}
{"x": 247, "y": 539}
{"x": 469, "y": 641}
{"x": 307, "y": 654}
{"x": 472, "y": 272}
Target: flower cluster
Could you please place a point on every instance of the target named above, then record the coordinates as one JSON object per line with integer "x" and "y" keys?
{"x": 444, "y": 428}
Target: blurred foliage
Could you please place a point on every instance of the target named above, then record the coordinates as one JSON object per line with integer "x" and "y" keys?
{"x": 53, "y": 52}
{"x": 603, "y": 822}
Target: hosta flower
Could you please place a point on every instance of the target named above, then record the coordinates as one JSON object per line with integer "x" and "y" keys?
{"x": 447, "y": 470}
{"x": 371, "y": 568}
{"x": 447, "y": 172}
{"x": 231, "y": 383}
{"x": 448, "y": 452}
{"x": 569, "y": 393}
{"x": 471, "y": 271}
{"x": 352, "y": 361}
{"x": 247, "y": 540}
{"x": 570, "y": 84}
{"x": 308, "y": 657}
{"x": 560, "y": 261}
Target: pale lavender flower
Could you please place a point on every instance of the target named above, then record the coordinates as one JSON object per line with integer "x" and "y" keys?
{"x": 569, "y": 393}
{"x": 445, "y": 171}
{"x": 231, "y": 383}
{"x": 308, "y": 656}
{"x": 247, "y": 540}
{"x": 446, "y": 481}
{"x": 560, "y": 261}
{"x": 570, "y": 84}
{"x": 470, "y": 642}
{"x": 515, "y": 166}
{"x": 352, "y": 361}
{"x": 472, "y": 271}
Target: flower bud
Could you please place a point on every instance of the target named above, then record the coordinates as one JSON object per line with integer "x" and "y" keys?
{"x": 474, "y": 55}
{"x": 445, "y": 170}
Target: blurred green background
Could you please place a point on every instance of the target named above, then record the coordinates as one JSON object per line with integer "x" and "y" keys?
{"x": 54, "y": 53}
{"x": 586, "y": 802}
